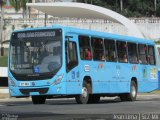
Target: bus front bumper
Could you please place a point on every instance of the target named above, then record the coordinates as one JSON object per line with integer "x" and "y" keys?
{"x": 32, "y": 91}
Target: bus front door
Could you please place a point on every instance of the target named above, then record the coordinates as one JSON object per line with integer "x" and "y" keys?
{"x": 72, "y": 79}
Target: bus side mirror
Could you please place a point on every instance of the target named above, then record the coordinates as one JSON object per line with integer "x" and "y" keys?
{"x": 2, "y": 51}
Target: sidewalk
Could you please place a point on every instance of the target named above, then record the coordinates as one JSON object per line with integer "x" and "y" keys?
{"x": 4, "y": 92}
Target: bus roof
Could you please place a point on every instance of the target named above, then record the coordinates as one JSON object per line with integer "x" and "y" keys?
{"x": 105, "y": 35}
{"x": 74, "y": 30}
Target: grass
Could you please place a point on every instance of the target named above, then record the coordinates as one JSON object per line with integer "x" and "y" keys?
{"x": 4, "y": 59}
{"x": 155, "y": 92}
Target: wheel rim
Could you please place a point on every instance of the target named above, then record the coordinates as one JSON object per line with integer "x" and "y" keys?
{"x": 133, "y": 91}
{"x": 84, "y": 92}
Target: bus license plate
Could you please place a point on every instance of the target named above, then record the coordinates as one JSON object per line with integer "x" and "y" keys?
{"x": 24, "y": 83}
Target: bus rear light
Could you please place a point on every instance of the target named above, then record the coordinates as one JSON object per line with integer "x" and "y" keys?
{"x": 58, "y": 80}
{"x": 11, "y": 82}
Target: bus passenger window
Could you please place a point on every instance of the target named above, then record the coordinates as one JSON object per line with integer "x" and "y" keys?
{"x": 132, "y": 53}
{"x": 142, "y": 48}
{"x": 87, "y": 53}
{"x": 122, "y": 51}
{"x": 151, "y": 56}
{"x": 110, "y": 50}
{"x": 84, "y": 46}
{"x": 97, "y": 46}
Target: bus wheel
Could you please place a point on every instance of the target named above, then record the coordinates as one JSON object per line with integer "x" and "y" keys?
{"x": 83, "y": 98}
{"x": 133, "y": 92}
{"x": 38, "y": 99}
{"x": 94, "y": 99}
{"x": 132, "y": 95}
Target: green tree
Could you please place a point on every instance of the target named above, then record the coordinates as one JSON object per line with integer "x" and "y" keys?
{"x": 131, "y": 8}
{"x": 24, "y": 26}
{"x": 18, "y": 4}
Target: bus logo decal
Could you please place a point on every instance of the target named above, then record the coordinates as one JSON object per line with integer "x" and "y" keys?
{"x": 36, "y": 69}
{"x": 134, "y": 67}
{"x": 73, "y": 74}
{"x": 86, "y": 68}
{"x": 144, "y": 73}
{"x": 100, "y": 66}
{"x": 153, "y": 73}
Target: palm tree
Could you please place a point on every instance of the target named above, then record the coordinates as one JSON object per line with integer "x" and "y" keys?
{"x": 2, "y": 3}
{"x": 24, "y": 7}
{"x": 18, "y": 4}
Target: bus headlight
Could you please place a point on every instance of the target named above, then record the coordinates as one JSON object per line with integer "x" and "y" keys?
{"x": 11, "y": 82}
{"x": 58, "y": 80}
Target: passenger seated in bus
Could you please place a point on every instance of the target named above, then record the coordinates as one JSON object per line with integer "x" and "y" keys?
{"x": 102, "y": 57}
{"x": 132, "y": 58}
{"x": 124, "y": 58}
{"x": 87, "y": 54}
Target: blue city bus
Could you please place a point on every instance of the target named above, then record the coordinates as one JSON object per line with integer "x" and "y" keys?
{"x": 158, "y": 55}
{"x": 53, "y": 61}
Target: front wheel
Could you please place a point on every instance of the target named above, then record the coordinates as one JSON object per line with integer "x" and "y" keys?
{"x": 132, "y": 95}
{"x": 83, "y": 98}
{"x": 38, "y": 99}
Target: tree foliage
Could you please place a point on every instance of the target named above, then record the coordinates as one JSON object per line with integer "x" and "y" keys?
{"x": 18, "y": 4}
{"x": 131, "y": 8}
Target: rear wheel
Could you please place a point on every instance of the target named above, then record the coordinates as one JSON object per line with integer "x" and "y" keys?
{"x": 38, "y": 99}
{"x": 84, "y": 97}
{"x": 132, "y": 95}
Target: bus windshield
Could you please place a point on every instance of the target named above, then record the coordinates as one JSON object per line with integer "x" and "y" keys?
{"x": 35, "y": 53}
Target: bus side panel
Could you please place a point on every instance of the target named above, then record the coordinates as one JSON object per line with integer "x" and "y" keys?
{"x": 148, "y": 78}
{"x": 101, "y": 77}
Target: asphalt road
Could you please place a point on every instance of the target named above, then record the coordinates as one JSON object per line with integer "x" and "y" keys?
{"x": 147, "y": 107}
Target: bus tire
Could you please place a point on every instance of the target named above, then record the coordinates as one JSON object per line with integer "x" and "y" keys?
{"x": 94, "y": 99}
{"x": 84, "y": 97}
{"x": 133, "y": 92}
{"x": 38, "y": 99}
{"x": 132, "y": 95}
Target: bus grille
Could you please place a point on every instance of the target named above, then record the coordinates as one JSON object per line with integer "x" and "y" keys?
{"x": 40, "y": 90}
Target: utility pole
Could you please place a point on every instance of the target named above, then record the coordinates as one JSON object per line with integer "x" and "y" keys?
{"x": 121, "y": 5}
{"x": 1, "y": 27}
{"x": 45, "y": 19}
{"x": 155, "y": 7}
